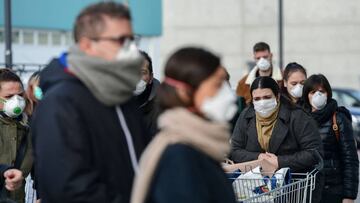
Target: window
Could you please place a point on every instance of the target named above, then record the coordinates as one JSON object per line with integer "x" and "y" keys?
{"x": 43, "y": 38}
{"x": 68, "y": 38}
{"x": 15, "y": 38}
{"x": 56, "y": 38}
{"x": 28, "y": 37}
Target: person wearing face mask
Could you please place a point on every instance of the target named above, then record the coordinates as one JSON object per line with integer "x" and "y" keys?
{"x": 15, "y": 145}
{"x": 263, "y": 67}
{"x": 341, "y": 163}
{"x": 273, "y": 129}
{"x": 145, "y": 92}
{"x": 86, "y": 129}
{"x": 294, "y": 78}
{"x": 33, "y": 93}
{"x": 182, "y": 163}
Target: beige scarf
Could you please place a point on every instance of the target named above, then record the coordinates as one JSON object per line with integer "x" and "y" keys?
{"x": 265, "y": 127}
{"x": 179, "y": 126}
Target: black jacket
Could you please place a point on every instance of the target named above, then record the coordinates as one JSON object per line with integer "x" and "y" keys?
{"x": 191, "y": 176}
{"x": 294, "y": 140}
{"x": 341, "y": 164}
{"x": 80, "y": 148}
{"x": 149, "y": 108}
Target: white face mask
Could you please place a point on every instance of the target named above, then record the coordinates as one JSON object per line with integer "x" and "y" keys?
{"x": 14, "y": 106}
{"x": 265, "y": 107}
{"x": 296, "y": 91}
{"x": 140, "y": 87}
{"x": 129, "y": 52}
{"x": 318, "y": 100}
{"x": 263, "y": 64}
{"x": 221, "y": 107}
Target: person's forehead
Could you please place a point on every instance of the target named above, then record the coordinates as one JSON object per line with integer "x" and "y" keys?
{"x": 115, "y": 27}
{"x": 262, "y": 92}
{"x": 262, "y": 53}
{"x": 145, "y": 65}
{"x": 319, "y": 87}
{"x": 296, "y": 76}
{"x": 11, "y": 87}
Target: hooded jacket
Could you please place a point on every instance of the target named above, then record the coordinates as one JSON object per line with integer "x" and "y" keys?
{"x": 14, "y": 135}
{"x": 81, "y": 149}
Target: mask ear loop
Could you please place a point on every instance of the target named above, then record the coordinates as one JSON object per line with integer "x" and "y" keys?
{"x": 180, "y": 85}
{"x": 177, "y": 83}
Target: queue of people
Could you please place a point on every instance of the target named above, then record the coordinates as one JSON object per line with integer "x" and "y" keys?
{"x": 96, "y": 126}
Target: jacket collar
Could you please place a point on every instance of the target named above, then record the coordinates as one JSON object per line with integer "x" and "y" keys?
{"x": 53, "y": 74}
{"x": 22, "y": 120}
{"x": 281, "y": 127}
{"x": 276, "y": 75}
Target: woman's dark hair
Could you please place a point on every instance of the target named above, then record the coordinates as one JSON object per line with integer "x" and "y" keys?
{"x": 290, "y": 69}
{"x": 313, "y": 83}
{"x": 147, "y": 57}
{"x": 265, "y": 82}
{"x": 189, "y": 65}
{"x": 7, "y": 75}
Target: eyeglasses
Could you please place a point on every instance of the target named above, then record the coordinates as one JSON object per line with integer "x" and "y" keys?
{"x": 120, "y": 40}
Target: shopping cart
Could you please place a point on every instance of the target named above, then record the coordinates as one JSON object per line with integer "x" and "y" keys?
{"x": 297, "y": 188}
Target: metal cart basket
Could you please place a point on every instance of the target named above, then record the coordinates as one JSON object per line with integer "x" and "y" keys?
{"x": 265, "y": 189}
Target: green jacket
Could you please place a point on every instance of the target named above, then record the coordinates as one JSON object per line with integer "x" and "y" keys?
{"x": 11, "y": 134}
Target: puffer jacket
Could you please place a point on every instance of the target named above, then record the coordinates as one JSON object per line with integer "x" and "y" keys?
{"x": 341, "y": 164}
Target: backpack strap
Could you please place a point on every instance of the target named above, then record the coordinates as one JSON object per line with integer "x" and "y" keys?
{"x": 335, "y": 127}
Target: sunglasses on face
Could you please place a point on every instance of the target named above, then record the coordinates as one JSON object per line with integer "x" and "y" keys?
{"x": 120, "y": 40}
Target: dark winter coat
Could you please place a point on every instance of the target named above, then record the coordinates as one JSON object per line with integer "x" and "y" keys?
{"x": 199, "y": 174}
{"x": 81, "y": 151}
{"x": 294, "y": 140}
{"x": 15, "y": 143}
{"x": 149, "y": 108}
{"x": 341, "y": 163}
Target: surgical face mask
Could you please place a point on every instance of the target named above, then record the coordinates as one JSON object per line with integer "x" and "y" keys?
{"x": 263, "y": 64}
{"x": 318, "y": 100}
{"x": 296, "y": 91}
{"x": 140, "y": 87}
{"x": 128, "y": 52}
{"x": 38, "y": 94}
{"x": 221, "y": 107}
{"x": 265, "y": 107}
{"x": 14, "y": 106}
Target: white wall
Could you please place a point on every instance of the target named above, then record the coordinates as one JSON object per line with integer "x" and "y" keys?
{"x": 322, "y": 35}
